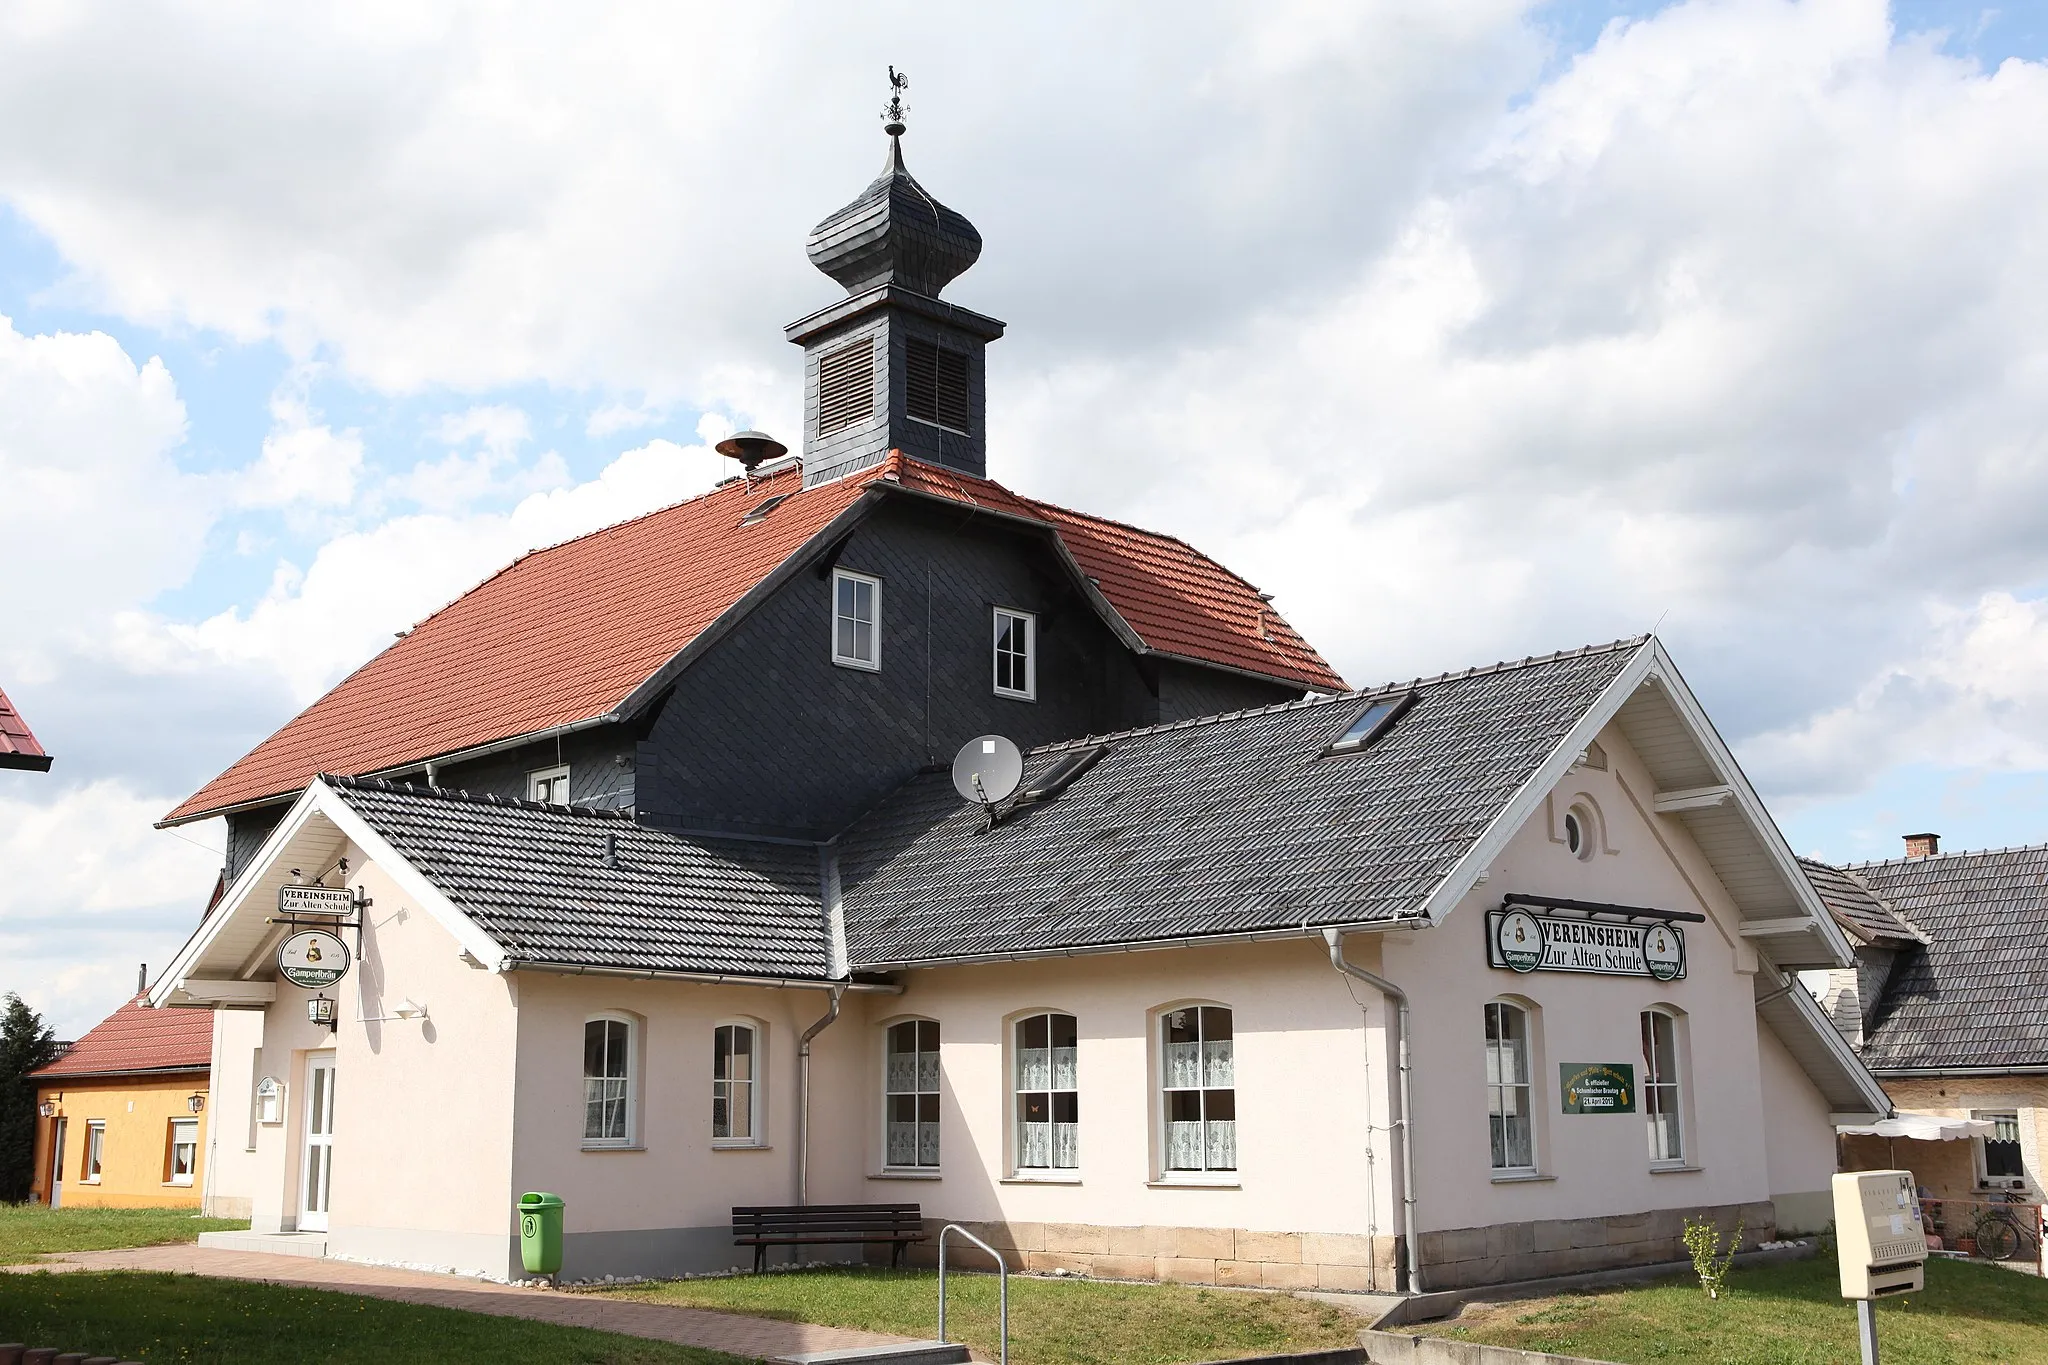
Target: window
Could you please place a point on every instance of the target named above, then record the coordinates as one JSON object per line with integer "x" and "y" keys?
{"x": 1016, "y": 669}
{"x": 1200, "y": 1089}
{"x": 734, "y": 1089}
{"x": 911, "y": 1094}
{"x": 935, "y": 384}
{"x": 1574, "y": 832}
{"x": 1998, "y": 1151}
{"x": 846, "y": 386}
{"x": 1048, "y": 1105}
{"x": 1369, "y": 724}
{"x": 607, "y": 1083}
{"x": 761, "y": 509}
{"x": 1510, "y": 1106}
{"x": 184, "y": 1154}
{"x": 550, "y": 785}
{"x": 1660, "y": 1087}
{"x": 856, "y": 620}
{"x": 95, "y": 1148}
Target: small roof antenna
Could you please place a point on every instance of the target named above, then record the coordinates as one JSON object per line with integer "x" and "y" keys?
{"x": 987, "y": 769}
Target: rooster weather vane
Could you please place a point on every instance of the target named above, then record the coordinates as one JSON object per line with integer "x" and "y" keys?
{"x": 893, "y": 111}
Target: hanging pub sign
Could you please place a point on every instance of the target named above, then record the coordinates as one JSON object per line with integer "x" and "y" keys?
{"x": 1523, "y": 941}
{"x": 1597, "y": 1087}
{"x": 312, "y": 958}
{"x": 315, "y": 900}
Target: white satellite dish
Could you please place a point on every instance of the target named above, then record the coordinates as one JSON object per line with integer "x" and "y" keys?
{"x": 987, "y": 769}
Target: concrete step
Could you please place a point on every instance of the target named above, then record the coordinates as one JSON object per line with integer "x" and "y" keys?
{"x": 269, "y": 1243}
{"x": 897, "y": 1353}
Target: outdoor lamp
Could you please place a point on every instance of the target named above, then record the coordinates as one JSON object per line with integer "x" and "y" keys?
{"x": 321, "y": 1011}
{"x": 196, "y": 1103}
{"x": 47, "y": 1109}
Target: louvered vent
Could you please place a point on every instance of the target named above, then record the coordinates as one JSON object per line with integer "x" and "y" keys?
{"x": 935, "y": 383}
{"x": 846, "y": 386}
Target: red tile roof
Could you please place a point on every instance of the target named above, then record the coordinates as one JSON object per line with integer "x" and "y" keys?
{"x": 18, "y": 747}
{"x": 567, "y": 633}
{"x": 135, "y": 1038}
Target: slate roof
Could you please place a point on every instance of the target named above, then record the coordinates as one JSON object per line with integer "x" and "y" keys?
{"x": 1229, "y": 824}
{"x": 1857, "y": 908}
{"x": 568, "y": 633}
{"x": 136, "y": 1039}
{"x": 1976, "y": 995}
{"x": 18, "y": 746}
{"x": 533, "y": 877}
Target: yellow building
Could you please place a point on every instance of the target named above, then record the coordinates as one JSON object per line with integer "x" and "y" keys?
{"x": 122, "y": 1116}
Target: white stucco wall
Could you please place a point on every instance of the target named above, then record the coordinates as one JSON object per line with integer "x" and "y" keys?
{"x": 231, "y": 1166}
{"x": 1799, "y": 1140}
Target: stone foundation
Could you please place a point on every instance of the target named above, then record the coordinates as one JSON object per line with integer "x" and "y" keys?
{"x": 1463, "y": 1257}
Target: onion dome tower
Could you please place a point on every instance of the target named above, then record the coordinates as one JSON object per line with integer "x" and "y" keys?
{"x": 890, "y": 365}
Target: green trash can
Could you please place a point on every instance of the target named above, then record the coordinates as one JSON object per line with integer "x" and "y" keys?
{"x": 540, "y": 1233}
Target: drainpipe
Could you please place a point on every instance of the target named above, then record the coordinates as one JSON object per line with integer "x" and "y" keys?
{"x": 1404, "y": 1123}
{"x": 803, "y": 1087}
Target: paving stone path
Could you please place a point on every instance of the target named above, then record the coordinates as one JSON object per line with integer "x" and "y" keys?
{"x": 748, "y": 1338}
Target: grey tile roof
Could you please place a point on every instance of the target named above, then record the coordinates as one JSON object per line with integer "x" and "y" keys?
{"x": 1977, "y": 993}
{"x": 1224, "y": 825}
{"x": 533, "y": 877}
{"x": 1856, "y": 907}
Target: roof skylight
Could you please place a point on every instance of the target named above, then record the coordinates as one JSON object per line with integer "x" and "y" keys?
{"x": 763, "y": 508}
{"x": 1369, "y": 724}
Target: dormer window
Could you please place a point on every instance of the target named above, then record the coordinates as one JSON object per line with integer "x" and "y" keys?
{"x": 935, "y": 384}
{"x": 856, "y": 620}
{"x": 550, "y": 785}
{"x": 1016, "y": 654}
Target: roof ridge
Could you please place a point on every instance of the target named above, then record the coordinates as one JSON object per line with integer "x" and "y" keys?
{"x": 457, "y": 794}
{"x": 1355, "y": 694}
{"x": 1938, "y": 857}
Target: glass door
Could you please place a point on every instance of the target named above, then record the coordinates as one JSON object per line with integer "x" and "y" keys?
{"x": 57, "y": 1164}
{"x": 319, "y": 1173}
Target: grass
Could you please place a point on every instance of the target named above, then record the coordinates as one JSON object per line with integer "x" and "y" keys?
{"x": 1786, "y": 1314}
{"x": 163, "y": 1318}
{"x": 29, "y": 1230}
{"x": 1052, "y": 1321}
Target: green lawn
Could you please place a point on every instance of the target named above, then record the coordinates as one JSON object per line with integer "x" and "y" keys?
{"x": 29, "y": 1230}
{"x": 1788, "y": 1314}
{"x": 1052, "y": 1322}
{"x": 164, "y": 1318}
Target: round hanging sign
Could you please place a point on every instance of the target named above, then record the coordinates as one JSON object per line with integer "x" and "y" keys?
{"x": 312, "y": 958}
{"x": 1664, "y": 952}
{"x": 1518, "y": 937}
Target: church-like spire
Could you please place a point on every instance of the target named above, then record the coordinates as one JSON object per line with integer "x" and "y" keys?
{"x": 895, "y": 232}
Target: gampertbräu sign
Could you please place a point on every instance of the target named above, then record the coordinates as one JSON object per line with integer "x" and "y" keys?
{"x": 1523, "y": 941}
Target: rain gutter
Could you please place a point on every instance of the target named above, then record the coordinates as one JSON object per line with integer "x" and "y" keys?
{"x": 514, "y": 964}
{"x": 1152, "y": 945}
{"x": 1405, "y": 1123}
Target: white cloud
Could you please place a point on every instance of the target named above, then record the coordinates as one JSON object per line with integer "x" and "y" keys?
{"x": 303, "y": 461}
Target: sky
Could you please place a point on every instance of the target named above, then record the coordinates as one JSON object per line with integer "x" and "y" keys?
{"x": 1469, "y": 331}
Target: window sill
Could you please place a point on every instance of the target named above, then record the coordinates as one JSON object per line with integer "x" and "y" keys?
{"x": 1679, "y": 1168}
{"x": 1022, "y": 1178}
{"x": 905, "y": 1175}
{"x": 168, "y": 1184}
{"x": 603, "y": 1147}
{"x": 741, "y": 1147}
{"x": 1016, "y": 696}
{"x": 1194, "y": 1181}
{"x": 88, "y": 1180}
{"x": 856, "y": 665}
{"x": 1521, "y": 1177}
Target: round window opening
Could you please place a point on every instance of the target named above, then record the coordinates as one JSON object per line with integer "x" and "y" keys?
{"x": 1578, "y": 833}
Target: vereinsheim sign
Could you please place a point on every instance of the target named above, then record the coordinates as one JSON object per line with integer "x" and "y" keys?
{"x": 1523, "y": 941}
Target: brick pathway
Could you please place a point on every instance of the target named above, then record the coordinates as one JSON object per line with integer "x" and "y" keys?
{"x": 749, "y": 1338}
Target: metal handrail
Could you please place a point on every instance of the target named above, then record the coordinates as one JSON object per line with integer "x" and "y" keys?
{"x": 1002, "y": 1286}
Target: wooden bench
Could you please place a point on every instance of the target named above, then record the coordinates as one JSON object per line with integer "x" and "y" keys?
{"x": 790, "y": 1225}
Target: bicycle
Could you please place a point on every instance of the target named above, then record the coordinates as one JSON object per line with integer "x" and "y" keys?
{"x": 2000, "y": 1233}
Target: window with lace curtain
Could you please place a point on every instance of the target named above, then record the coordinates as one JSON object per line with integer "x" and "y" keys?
{"x": 910, "y": 1097}
{"x": 1661, "y": 1088}
{"x": 1047, "y": 1089}
{"x": 1510, "y": 1109}
{"x": 607, "y": 1082}
{"x": 1198, "y": 1088}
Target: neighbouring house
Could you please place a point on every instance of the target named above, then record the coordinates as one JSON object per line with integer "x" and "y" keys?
{"x": 1944, "y": 1004}
{"x": 122, "y": 1115}
{"x": 18, "y": 746}
{"x": 638, "y": 875}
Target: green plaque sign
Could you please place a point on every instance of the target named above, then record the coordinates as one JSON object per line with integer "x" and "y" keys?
{"x": 1598, "y": 1087}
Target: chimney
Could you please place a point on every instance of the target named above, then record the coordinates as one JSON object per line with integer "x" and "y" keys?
{"x": 141, "y": 978}
{"x": 1922, "y": 845}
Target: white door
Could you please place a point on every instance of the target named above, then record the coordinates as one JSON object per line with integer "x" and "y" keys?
{"x": 57, "y": 1164}
{"x": 319, "y": 1173}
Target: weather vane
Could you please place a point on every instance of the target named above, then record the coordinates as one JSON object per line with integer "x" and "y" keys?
{"x": 892, "y": 112}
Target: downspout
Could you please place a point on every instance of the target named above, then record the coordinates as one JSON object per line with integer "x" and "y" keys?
{"x": 1409, "y": 1263}
{"x": 803, "y": 1087}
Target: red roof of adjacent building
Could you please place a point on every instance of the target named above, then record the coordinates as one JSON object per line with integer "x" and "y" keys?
{"x": 135, "y": 1038}
{"x": 18, "y": 746}
{"x": 567, "y": 633}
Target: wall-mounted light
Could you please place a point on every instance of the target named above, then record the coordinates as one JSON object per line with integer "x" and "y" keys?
{"x": 409, "y": 1009}
{"x": 196, "y": 1102}
{"x": 47, "y": 1109}
{"x": 320, "y": 1010}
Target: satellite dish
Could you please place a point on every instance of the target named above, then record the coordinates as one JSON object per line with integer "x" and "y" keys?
{"x": 987, "y": 770}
